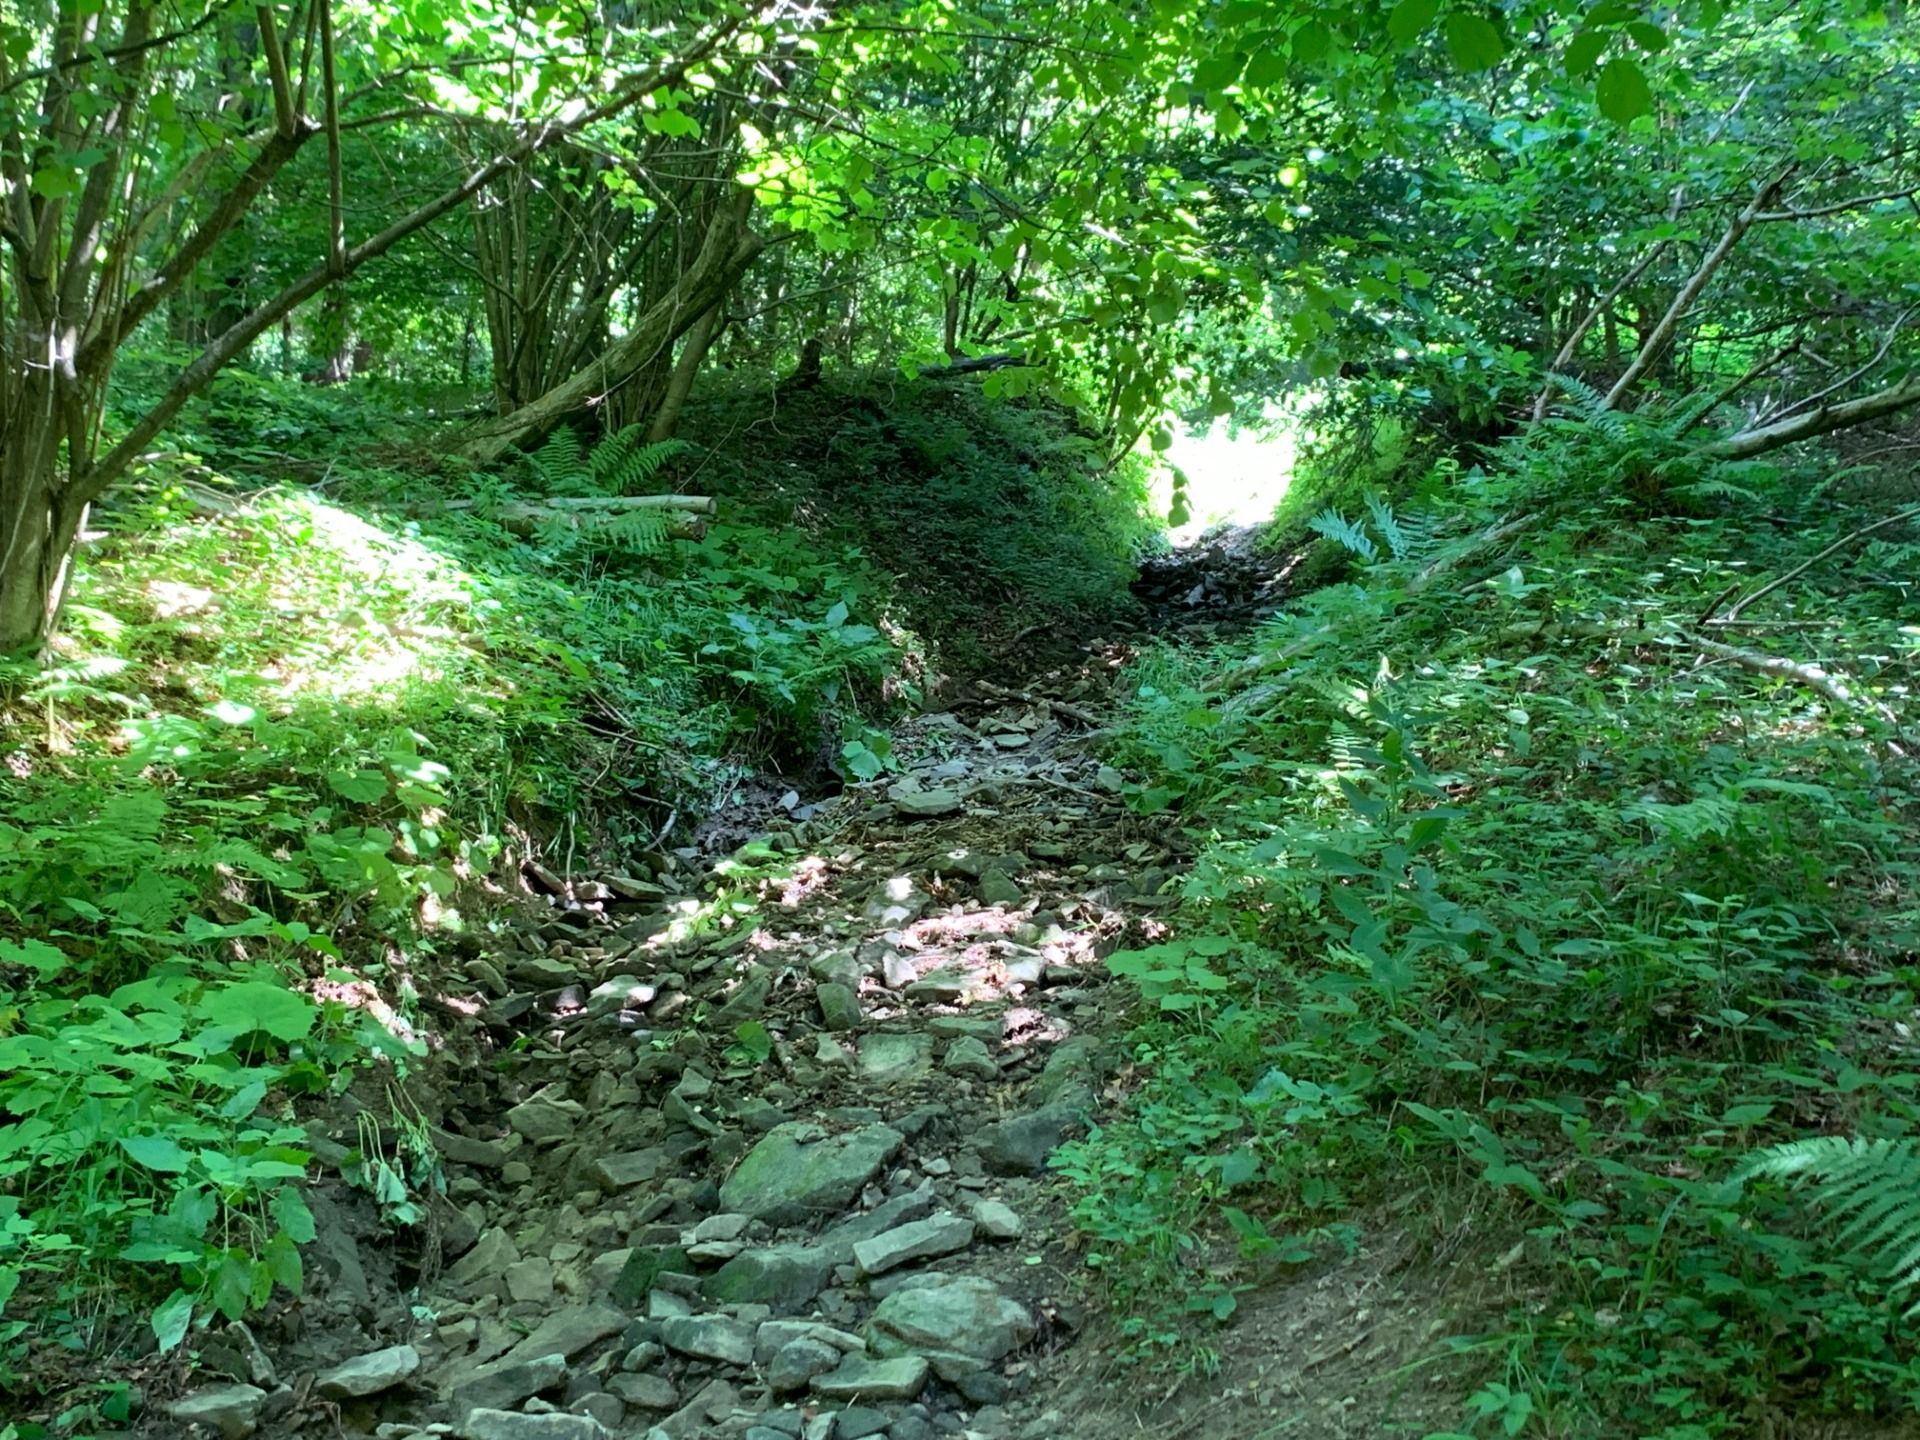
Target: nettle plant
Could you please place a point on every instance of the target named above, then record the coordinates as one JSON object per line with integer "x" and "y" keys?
{"x": 153, "y": 1035}
{"x": 147, "y": 1129}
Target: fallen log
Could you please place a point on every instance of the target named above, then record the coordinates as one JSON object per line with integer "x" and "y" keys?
{"x": 979, "y": 364}
{"x": 529, "y": 519}
{"x": 697, "y": 504}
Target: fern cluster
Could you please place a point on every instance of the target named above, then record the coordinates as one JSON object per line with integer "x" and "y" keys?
{"x": 1650, "y": 454}
{"x": 1404, "y": 539}
{"x": 618, "y": 465}
{"x": 1870, "y": 1189}
{"x": 622, "y": 464}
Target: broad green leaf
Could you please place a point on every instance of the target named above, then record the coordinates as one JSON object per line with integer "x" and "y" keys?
{"x": 1650, "y": 38}
{"x": 1238, "y": 1166}
{"x": 1311, "y": 42}
{"x": 282, "y": 1259}
{"x": 232, "y": 1291}
{"x": 1409, "y": 20}
{"x": 55, "y": 182}
{"x": 1622, "y": 91}
{"x": 290, "y": 1209}
{"x": 361, "y": 786}
{"x": 754, "y": 1042}
{"x": 34, "y": 955}
{"x": 1583, "y": 52}
{"x": 1473, "y": 41}
{"x": 255, "y": 1005}
{"x": 170, "y": 1320}
{"x": 157, "y": 1152}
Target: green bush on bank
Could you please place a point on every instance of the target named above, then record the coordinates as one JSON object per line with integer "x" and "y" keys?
{"x": 1510, "y": 895}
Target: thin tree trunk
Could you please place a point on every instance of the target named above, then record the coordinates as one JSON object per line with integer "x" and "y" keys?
{"x": 693, "y": 354}
{"x": 728, "y": 250}
{"x": 66, "y": 329}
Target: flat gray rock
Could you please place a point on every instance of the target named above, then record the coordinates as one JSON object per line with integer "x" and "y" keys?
{"x": 966, "y": 1315}
{"x": 925, "y": 804}
{"x": 794, "y": 1364}
{"x": 465, "y": 1150}
{"x": 901, "y": 1378}
{"x": 485, "y": 1265}
{"x": 920, "y": 1240}
{"x": 1020, "y": 1146}
{"x": 568, "y": 1332}
{"x": 801, "y": 1172}
{"x": 969, "y": 1057}
{"x": 786, "y": 1277}
{"x": 503, "y": 1385}
{"x": 233, "y": 1410}
{"x": 645, "y": 1392}
{"x": 839, "y": 1005}
{"x": 889, "y": 1057}
{"x": 997, "y": 1221}
{"x": 546, "y": 1121}
{"x": 369, "y": 1374}
{"x": 513, "y": 1425}
{"x": 774, "y": 1335}
{"x": 709, "y": 1337}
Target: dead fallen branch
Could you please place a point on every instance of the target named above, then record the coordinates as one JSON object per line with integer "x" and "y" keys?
{"x": 1028, "y": 697}
{"x": 697, "y": 504}
{"x": 1822, "y": 421}
{"x": 1854, "y": 538}
{"x": 1814, "y": 677}
{"x": 530, "y": 519}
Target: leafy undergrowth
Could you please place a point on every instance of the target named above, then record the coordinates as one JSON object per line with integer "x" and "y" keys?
{"x": 303, "y": 720}
{"x": 1532, "y": 896}
{"x": 998, "y": 521}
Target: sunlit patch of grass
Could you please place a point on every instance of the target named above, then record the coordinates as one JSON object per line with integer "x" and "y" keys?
{"x": 284, "y": 597}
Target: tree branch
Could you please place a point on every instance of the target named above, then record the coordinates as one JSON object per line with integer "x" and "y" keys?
{"x": 1805, "y": 565}
{"x": 1828, "y": 418}
{"x": 103, "y": 472}
{"x": 1848, "y": 379}
{"x": 1838, "y": 206}
{"x": 1812, "y": 676}
{"x": 1689, "y": 292}
{"x": 283, "y": 110}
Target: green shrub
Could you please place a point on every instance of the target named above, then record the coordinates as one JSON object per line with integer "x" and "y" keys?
{"x": 1502, "y": 895}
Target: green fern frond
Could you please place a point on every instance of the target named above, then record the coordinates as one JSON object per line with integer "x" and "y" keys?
{"x": 638, "y": 532}
{"x": 1336, "y": 527}
{"x": 1869, "y": 1187}
{"x": 623, "y": 462}
{"x": 560, "y": 462}
{"x": 634, "y": 532}
{"x": 1588, "y": 401}
{"x": 1389, "y": 526}
{"x": 1696, "y": 819}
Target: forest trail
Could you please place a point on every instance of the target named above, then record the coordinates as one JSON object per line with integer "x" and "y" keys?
{"x": 759, "y": 1148}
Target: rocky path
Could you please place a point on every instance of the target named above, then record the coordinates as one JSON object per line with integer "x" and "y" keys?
{"x": 751, "y": 1150}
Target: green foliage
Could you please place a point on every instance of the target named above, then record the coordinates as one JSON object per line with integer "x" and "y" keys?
{"x": 1502, "y": 900}
{"x": 1867, "y": 1189}
{"x": 142, "y": 1135}
{"x": 1403, "y": 539}
{"x": 621, "y": 464}
{"x": 283, "y": 732}
{"x": 990, "y": 514}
